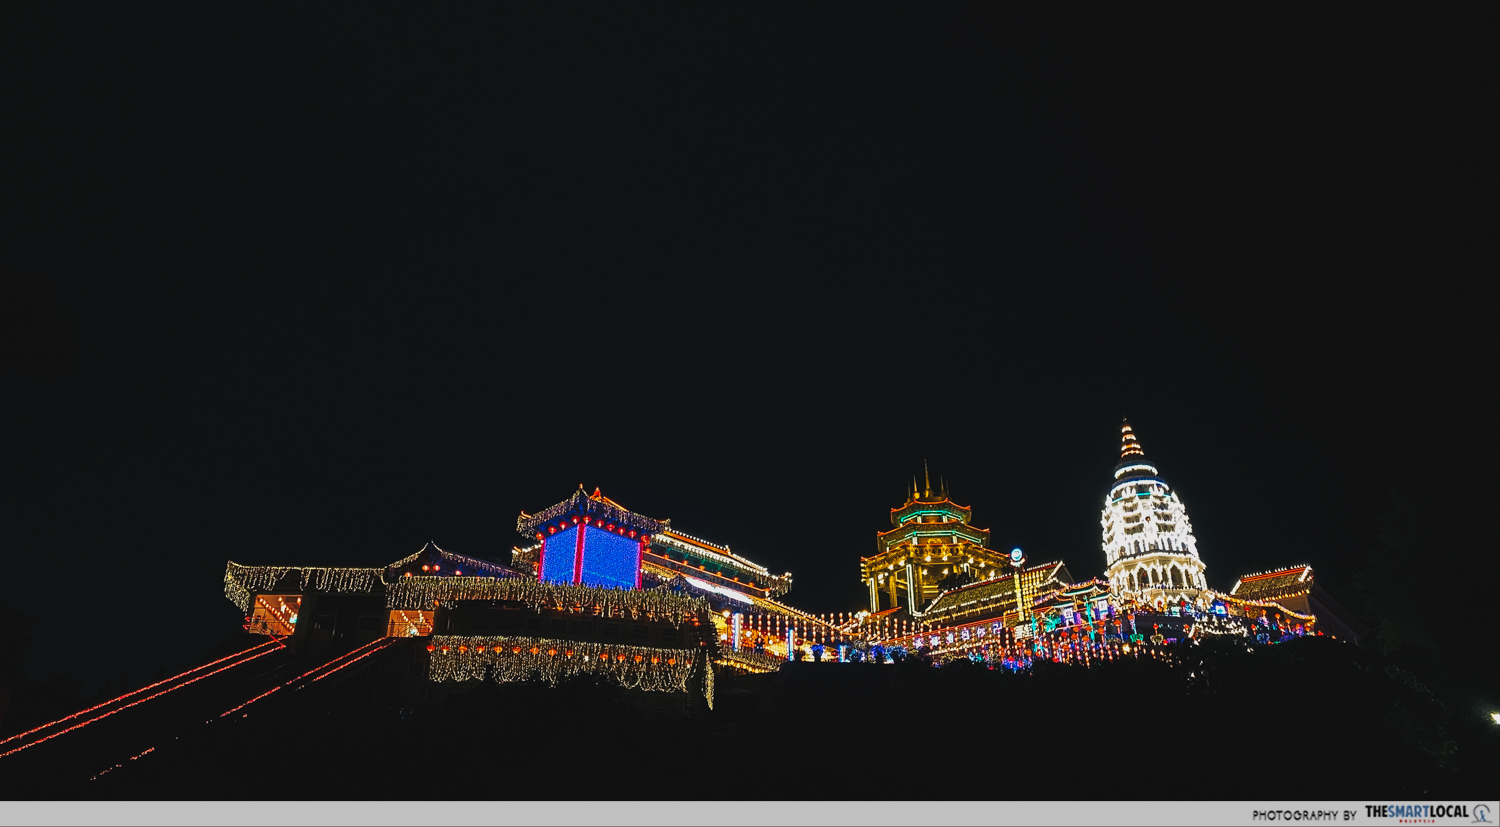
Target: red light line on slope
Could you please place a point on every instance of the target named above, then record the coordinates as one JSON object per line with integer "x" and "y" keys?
{"x": 141, "y": 701}
{"x": 275, "y": 689}
{"x": 139, "y": 691}
{"x": 347, "y": 663}
{"x": 117, "y": 766}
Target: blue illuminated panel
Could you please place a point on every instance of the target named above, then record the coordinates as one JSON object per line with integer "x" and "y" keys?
{"x": 558, "y": 556}
{"x": 609, "y": 559}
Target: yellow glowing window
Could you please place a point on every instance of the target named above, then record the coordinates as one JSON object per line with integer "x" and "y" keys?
{"x": 274, "y": 614}
{"x": 409, "y": 624}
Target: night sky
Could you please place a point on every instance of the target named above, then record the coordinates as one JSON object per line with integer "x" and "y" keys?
{"x": 316, "y": 285}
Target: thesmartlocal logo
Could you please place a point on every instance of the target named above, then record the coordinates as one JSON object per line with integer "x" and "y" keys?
{"x": 1428, "y": 813}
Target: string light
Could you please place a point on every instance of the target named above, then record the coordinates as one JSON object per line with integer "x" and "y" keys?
{"x": 272, "y": 642}
{"x": 411, "y": 593}
{"x": 507, "y": 659}
{"x": 101, "y": 717}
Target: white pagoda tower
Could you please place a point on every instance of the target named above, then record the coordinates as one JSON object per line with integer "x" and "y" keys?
{"x": 1148, "y": 542}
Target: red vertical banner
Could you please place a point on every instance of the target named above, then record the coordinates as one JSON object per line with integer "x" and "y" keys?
{"x": 578, "y": 556}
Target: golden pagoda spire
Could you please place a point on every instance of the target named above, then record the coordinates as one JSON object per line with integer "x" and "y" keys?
{"x": 1129, "y": 445}
{"x": 926, "y": 481}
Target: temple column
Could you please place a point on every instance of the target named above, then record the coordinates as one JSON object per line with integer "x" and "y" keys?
{"x": 874, "y": 597}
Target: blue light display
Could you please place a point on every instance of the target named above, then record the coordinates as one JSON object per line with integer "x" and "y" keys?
{"x": 558, "y": 556}
{"x": 609, "y": 560}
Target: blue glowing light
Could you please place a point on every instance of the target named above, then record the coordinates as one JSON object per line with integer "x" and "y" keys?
{"x": 558, "y": 555}
{"x": 609, "y": 560}
{"x": 1016, "y": 556}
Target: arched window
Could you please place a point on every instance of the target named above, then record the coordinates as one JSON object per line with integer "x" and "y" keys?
{"x": 1176, "y": 578}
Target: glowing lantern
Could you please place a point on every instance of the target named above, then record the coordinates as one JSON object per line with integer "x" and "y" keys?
{"x": 552, "y": 653}
{"x": 534, "y": 650}
{"x": 424, "y": 568}
{"x": 638, "y": 658}
{"x": 430, "y": 647}
{"x": 671, "y": 661}
{"x": 603, "y": 656}
{"x": 515, "y": 650}
{"x": 445, "y": 650}
{"x": 463, "y": 648}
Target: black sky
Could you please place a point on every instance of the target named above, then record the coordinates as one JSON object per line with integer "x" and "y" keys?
{"x": 313, "y": 285}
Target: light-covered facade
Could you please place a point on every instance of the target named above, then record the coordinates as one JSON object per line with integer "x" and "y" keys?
{"x": 1148, "y": 543}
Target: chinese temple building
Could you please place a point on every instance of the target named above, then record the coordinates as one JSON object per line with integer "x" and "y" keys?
{"x": 930, "y": 541}
{"x": 1295, "y": 592}
{"x": 1003, "y": 597}
{"x": 1149, "y": 548}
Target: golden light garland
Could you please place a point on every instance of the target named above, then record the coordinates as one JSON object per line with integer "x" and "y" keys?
{"x": 411, "y": 593}
{"x": 750, "y": 659}
{"x": 509, "y": 659}
{"x": 240, "y": 582}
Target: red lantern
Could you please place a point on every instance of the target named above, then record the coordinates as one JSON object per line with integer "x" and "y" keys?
{"x": 430, "y": 647}
{"x": 445, "y": 650}
{"x": 463, "y": 648}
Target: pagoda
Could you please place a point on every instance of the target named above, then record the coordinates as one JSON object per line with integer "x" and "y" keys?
{"x": 930, "y": 541}
{"x": 1148, "y": 543}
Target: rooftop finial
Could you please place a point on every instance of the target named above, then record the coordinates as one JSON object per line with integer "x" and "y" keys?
{"x": 926, "y": 481}
{"x": 1129, "y": 445}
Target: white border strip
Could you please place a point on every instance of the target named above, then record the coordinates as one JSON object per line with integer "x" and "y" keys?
{"x": 853, "y": 813}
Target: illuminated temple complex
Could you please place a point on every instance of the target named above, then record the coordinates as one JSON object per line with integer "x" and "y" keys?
{"x": 597, "y": 589}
